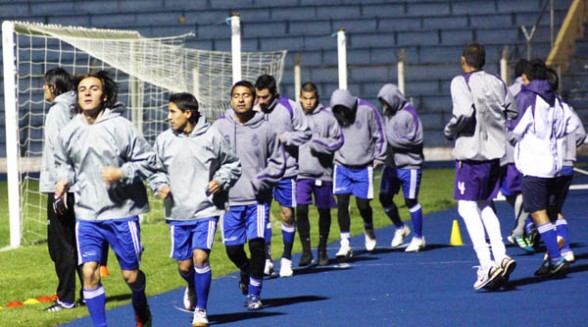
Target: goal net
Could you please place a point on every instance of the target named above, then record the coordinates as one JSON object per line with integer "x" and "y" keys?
{"x": 147, "y": 70}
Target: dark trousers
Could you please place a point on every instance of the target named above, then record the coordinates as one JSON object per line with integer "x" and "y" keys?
{"x": 61, "y": 242}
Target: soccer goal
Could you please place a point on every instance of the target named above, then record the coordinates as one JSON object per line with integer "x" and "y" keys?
{"x": 147, "y": 70}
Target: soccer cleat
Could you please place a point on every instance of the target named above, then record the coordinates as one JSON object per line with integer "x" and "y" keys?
{"x": 323, "y": 258}
{"x": 268, "y": 269}
{"x": 244, "y": 283}
{"x": 306, "y": 259}
{"x": 58, "y": 306}
{"x": 399, "y": 236}
{"x": 286, "y": 268}
{"x": 370, "y": 240}
{"x": 416, "y": 244}
{"x": 143, "y": 317}
{"x": 189, "y": 299}
{"x": 345, "y": 251}
{"x": 254, "y": 302}
{"x": 508, "y": 265}
{"x": 488, "y": 278}
{"x": 200, "y": 319}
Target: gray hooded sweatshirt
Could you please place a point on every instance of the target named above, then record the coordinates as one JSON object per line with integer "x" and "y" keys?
{"x": 84, "y": 149}
{"x": 59, "y": 115}
{"x": 316, "y": 156}
{"x": 191, "y": 162}
{"x": 404, "y": 130}
{"x": 481, "y": 105}
{"x": 263, "y": 160}
{"x": 287, "y": 119}
{"x": 364, "y": 138}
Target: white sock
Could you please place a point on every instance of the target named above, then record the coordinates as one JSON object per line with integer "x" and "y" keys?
{"x": 492, "y": 226}
{"x": 470, "y": 213}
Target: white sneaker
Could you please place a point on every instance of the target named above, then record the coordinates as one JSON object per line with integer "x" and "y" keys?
{"x": 569, "y": 256}
{"x": 370, "y": 240}
{"x": 200, "y": 319}
{"x": 286, "y": 268}
{"x": 189, "y": 299}
{"x": 399, "y": 236}
{"x": 269, "y": 267}
{"x": 487, "y": 277}
{"x": 345, "y": 250}
{"x": 416, "y": 244}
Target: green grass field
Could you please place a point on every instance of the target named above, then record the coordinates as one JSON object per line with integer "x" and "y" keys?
{"x": 28, "y": 272}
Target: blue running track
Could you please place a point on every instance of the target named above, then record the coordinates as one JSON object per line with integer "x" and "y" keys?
{"x": 393, "y": 288}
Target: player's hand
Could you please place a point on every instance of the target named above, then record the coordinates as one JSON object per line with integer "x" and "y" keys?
{"x": 111, "y": 175}
{"x": 60, "y": 188}
{"x": 376, "y": 164}
{"x": 213, "y": 187}
{"x": 164, "y": 192}
{"x": 281, "y": 138}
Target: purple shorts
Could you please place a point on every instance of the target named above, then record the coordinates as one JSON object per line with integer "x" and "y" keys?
{"x": 323, "y": 193}
{"x": 476, "y": 180}
{"x": 510, "y": 180}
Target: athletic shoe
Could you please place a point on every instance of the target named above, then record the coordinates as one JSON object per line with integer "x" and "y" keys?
{"x": 306, "y": 259}
{"x": 534, "y": 238}
{"x": 569, "y": 256}
{"x": 254, "y": 302}
{"x": 345, "y": 251}
{"x": 143, "y": 317}
{"x": 487, "y": 278}
{"x": 508, "y": 265}
{"x": 544, "y": 269}
{"x": 399, "y": 236}
{"x": 244, "y": 283}
{"x": 370, "y": 240}
{"x": 524, "y": 244}
{"x": 58, "y": 306}
{"x": 558, "y": 269}
{"x": 286, "y": 268}
{"x": 416, "y": 244}
{"x": 268, "y": 270}
{"x": 323, "y": 258}
{"x": 200, "y": 319}
{"x": 510, "y": 239}
{"x": 189, "y": 299}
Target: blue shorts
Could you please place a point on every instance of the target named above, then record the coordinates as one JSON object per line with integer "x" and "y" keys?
{"x": 123, "y": 235}
{"x": 476, "y": 180}
{"x": 323, "y": 193}
{"x": 540, "y": 193}
{"x": 285, "y": 192}
{"x": 356, "y": 181}
{"x": 191, "y": 235}
{"x": 510, "y": 180}
{"x": 247, "y": 222}
{"x": 393, "y": 179}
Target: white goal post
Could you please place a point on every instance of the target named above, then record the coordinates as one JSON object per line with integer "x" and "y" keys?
{"x": 147, "y": 70}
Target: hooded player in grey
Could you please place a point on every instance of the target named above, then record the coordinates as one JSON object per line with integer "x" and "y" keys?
{"x": 481, "y": 105}
{"x": 316, "y": 173}
{"x": 200, "y": 167}
{"x": 61, "y": 239}
{"x": 102, "y": 153}
{"x": 263, "y": 163}
{"x": 364, "y": 148}
{"x": 404, "y": 133}
{"x": 287, "y": 119}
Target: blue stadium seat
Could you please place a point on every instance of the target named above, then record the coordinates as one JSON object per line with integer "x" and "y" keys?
{"x": 440, "y": 22}
{"x": 492, "y": 21}
{"x": 472, "y": 7}
{"x": 422, "y": 8}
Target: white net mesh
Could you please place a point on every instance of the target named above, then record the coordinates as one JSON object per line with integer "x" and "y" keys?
{"x": 147, "y": 70}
